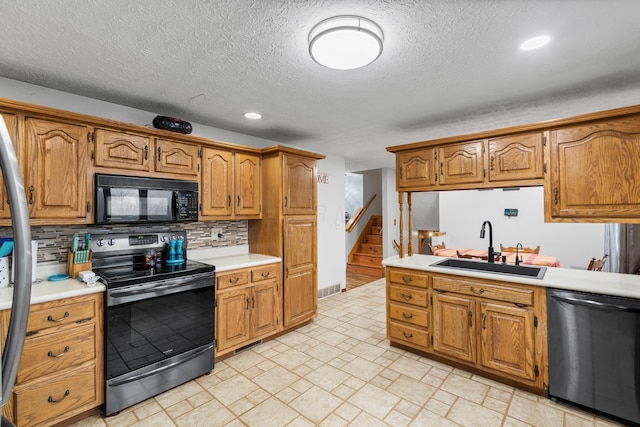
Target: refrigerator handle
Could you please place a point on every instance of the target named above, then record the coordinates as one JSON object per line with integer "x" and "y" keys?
{"x": 22, "y": 259}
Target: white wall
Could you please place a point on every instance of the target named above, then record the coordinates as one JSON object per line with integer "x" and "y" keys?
{"x": 331, "y": 242}
{"x": 390, "y": 213}
{"x": 463, "y": 212}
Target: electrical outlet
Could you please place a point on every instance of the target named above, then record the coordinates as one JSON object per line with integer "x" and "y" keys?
{"x": 216, "y": 233}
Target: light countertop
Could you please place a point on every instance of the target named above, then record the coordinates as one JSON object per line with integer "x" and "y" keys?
{"x": 232, "y": 262}
{"x": 44, "y": 291}
{"x": 598, "y": 282}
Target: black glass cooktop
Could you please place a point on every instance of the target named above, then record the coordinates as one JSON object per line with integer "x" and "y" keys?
{"x": 124, "y": 275}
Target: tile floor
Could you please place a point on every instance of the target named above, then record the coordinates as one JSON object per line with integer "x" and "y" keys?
{"x": 341, "y": 371}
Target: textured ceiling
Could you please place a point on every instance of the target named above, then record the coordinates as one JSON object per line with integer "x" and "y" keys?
{"x": 209, "y": 61}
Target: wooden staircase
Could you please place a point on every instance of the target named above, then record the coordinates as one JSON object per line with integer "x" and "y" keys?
{"x": 366, "y": 255}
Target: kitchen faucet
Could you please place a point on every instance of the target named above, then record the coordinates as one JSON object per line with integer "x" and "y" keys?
{"x": 518, "y": 260}
{"x": 491, "y": 255}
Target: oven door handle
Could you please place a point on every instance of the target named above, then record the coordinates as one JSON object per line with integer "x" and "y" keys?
{"x": 116, "y": 293}
{"x": 160, "y": 369}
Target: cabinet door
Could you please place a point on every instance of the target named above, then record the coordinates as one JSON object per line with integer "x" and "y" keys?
{"x": 12, "y": 126}
{"x": 56, "y": 173}
{"x": 232, "y": 319}
{"x": 454, "y": 333}
{"x": 121, "y": 150}
{"x": 248, "y": 185}
{"x": 177, "y": 158}
{"x": 216, "y": 193}
{"x": 416, "y": 169}
{"x": 300, "y": 276}
{"x": 507, "y": 339}
{"x": 299, "y": 185}
{"x": 516, "y": 157}
{"x": 264, "y": 313}
{"x": 461, "y": 163}
{"x": 595, "y": 172}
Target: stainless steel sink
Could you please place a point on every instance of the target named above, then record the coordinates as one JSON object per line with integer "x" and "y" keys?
{"x": 486, "y": 267}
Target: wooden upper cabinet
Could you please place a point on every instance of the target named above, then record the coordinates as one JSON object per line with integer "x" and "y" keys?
{"x": 216, "y": 192}
{"x": 231, "y": 184}
{"x": 416, "y": 169}
{"x": 176, "y": 158}
{"x": 56, "y": 156}
{"x": 461, "y": 163}
{"x": 119, "y": 150}
{"x": 516, "y": 157}
{"x": 248, "y": 185}
{"x": 12, "y": 126}
{"x": 595, "y": 172}
{"x": 299, "y": 185}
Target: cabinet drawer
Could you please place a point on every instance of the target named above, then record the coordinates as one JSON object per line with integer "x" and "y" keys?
{"x": 43, "y": 355}
{"x": 399, "y": 331}
{"x": 264, "y": 273}
{"x": 59, "y": 313}
{"x": 408, "y": 295}
{"x": 507, "y": 293}
{"x": 408, "y": 278}
{"x": 232, "y": 278}
{"x": 48, "y": 400}
{"x": 403, "y": 313}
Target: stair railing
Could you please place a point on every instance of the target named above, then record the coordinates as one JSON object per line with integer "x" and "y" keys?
{"x": 357, "y": 216}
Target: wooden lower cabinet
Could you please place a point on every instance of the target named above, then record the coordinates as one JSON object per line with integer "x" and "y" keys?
{"x": 248, "y": 306}
{"x": 61, "y": 372}
{"x": 494, "y": 327}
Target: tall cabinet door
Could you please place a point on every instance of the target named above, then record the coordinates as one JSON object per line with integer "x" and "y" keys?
{"x": 217, "y": 182}
{"x": 12, "y": 126}
{"x": 248, "y": 184}
{"x": 300, "y": 275}
{"x": 56, "y": 172}
{"x": 300, "y": 185}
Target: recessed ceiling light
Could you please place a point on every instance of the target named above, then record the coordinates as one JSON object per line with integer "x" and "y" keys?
{"x": 253, "y": 116}
{"x": 535, "y": 42}
{"x": 345, "y": 42}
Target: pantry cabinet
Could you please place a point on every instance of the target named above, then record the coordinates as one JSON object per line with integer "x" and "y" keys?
{"x": 492, "y": 327}
{"x": 248, "y": 306}
{"x": 595, "y": 172}
{"x": 61, "y": 370}
{"x": 231, "y": 185}
{"x": 288, "y": 228}
{"x": 56, "y": 158}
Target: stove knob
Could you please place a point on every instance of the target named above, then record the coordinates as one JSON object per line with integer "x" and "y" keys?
{"x": 100, "y": 242}
{"x": 111, "y": 242}
{"x": 164, "y": 239}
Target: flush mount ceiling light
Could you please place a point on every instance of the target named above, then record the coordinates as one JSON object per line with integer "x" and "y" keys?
{"x": 535, "y": 43}
{"x": 345, "y": 42}
{"x": 253, "y": 116}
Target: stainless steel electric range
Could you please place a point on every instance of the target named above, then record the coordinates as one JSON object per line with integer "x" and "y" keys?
{"x": 159, "y": 315}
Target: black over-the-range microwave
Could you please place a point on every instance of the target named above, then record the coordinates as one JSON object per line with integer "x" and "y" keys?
{"x": 138, "y": 200}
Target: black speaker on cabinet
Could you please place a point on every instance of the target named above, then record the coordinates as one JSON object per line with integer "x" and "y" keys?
{"x": 172, "y": 124}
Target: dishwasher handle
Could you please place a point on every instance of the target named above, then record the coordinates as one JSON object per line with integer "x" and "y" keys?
{"x": 596, "y": 304}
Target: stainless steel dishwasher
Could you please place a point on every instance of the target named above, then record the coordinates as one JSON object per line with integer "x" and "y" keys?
{"x": 594, "y": 352}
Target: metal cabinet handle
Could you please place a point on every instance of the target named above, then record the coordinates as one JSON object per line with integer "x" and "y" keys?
{"x": 286, "y": 201}
{"x": 253, "y": 302}
{"x": 31, "y": 190}
{"x": 51, "y": 319}
{"x": 65, "y": 351}
{"x": 409, "y": 335}
{"x": 146, "y": 152}
{"x": 52, "y": 400}
{"x": 229, "y": 200}
{"x": 234, "y": 280}
{"x": 470, "y": 318}
{"x": 491, "y": 164}
{"x": 407, "y": 316}
{"x": 484, "y": 321}
{"x": 400, "y": 172}
{"x": 406, "y": 297}
{"x": 407, "y": 280}
{"x": 247, "y": 300}
{"x": 159, "y": 153}
{"x": 477, "y": 291}
{"x": 265, "y": 275}
{"x": 238, "y": 201}
{"x": 441, "y": 168}
{"x": 555, "y": 196}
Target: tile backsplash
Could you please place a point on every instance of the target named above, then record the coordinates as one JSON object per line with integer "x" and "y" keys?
{"x": 55, "y": 241}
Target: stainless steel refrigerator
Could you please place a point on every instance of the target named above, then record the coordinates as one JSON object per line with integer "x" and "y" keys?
{"x": 622, "y": 244}
{"x": 22, "y": 266}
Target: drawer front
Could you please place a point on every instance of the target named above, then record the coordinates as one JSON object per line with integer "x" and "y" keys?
{"x": 47, "y": 354}
{"x": 48, "y": 400}
{"x": 408, "y": 295}
{"x": 265, "y": 273}
{"x": 403, "y": 313}
{"x": 409, "y": 334}
{"x": 408, "y": 278}
{"x": 232, "y": 278}
{"x": 60, "y": 313}
{"x": 506, "y": 293}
